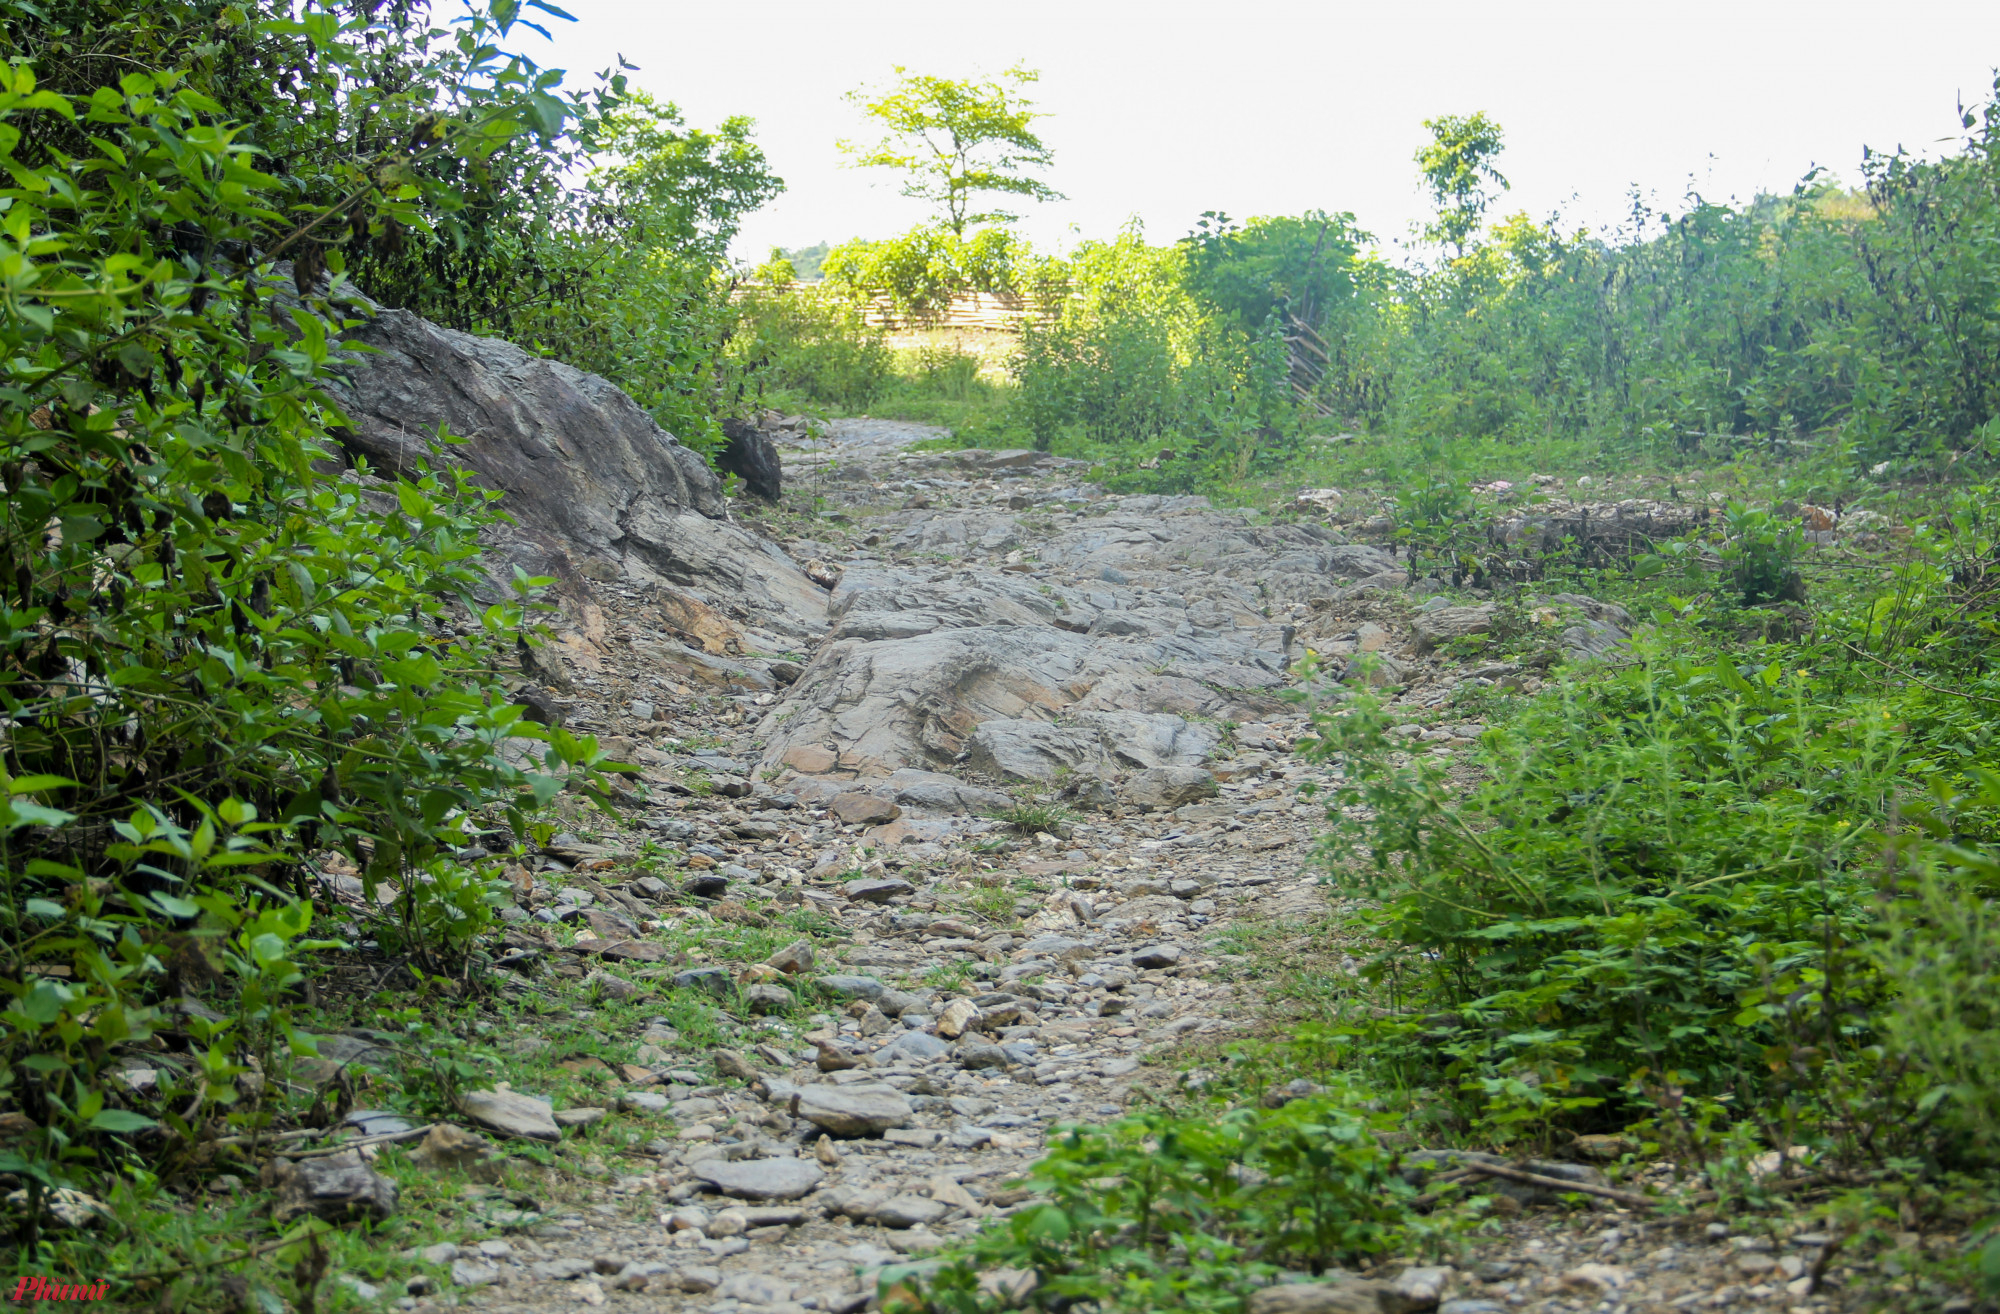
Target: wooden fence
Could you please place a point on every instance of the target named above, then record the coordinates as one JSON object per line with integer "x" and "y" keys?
{"x": 985, "y": 312}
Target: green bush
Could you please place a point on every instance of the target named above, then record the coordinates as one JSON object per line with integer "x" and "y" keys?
{"x": 636, "y": 265}
{"x": 1762, "y": 549}
{"x": 813, "y": 345}
{"x": 1157, "y": 1211}
{"x": 1133, "y": 369}
{"x": 1665, "y": 882}
{"x": 948, "y": 372}
{"x": 1942, "y": 948}
{"x": 924, "y": 268}
{"x": 214, "y": 654}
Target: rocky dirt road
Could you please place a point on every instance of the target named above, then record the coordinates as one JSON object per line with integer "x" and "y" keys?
{"x": 971, "y": 1034}
{"x": 834, "y": 706}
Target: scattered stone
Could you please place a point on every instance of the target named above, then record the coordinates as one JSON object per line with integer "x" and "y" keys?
{"x": 754, "y": 1289}
{"x": 763, "y": 1000}
{"x": 448, "y": 1147}
{"x": 975, "y": 1056}
{"x": 470, "y": 1273}
{"x": 581, "y": 1117}
{"x": 858, "y": 809}
{"x": 1434, "y": 628}
{"x": 834, "y": 1060}
{"x": 853, "y": 1110}
{"x": 337, "y": 1188}
{"x": 712, "y": 981}
{"x": 794, "y": 958}
{"x": 879, "y": 891}
{"x": 906, "y": 1211}
{"x": 1161, "y": 788}
{"x": 760, "y": 1179}
{"x": 1346, "y": 1295}
{"x": 958, "y": 1016}
{"x": 1592, "y": 1279}
{"x": 1376, "y": 670}
{"x": 896, "y": 1003}
{"x": 853, "y": 987}
{"x": 917, "y": 1045}
{"x": 512, "y": 1113}
{"x": 1159, "y": 955}
{"x": 610, "y": 986}
{"x": 732, "y": 1065}
{"x": 1420, "y": 1288}
{"x": 643, "y": 1101}
{"x": 561, "y": 1270}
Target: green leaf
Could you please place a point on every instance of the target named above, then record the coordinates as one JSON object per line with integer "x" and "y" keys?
{"x": 35, "y": 784}
{"x": 120, "y": 1120}
{"x": 20, "y": 812}
{"x": 173, "y": 905}
{"x": 14, "y": 1163}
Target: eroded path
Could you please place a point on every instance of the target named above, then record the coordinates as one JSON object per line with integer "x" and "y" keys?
{"x": 997, "y": 633}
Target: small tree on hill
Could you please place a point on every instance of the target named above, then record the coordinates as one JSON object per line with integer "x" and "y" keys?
{"x": 957, "y": 140}
{"x": 1457, "y": 166}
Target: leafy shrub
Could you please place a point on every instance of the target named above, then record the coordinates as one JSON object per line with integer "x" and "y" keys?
{"x": 924, "y": 268}
{"x": 1666, "y": 878}
{"x": 948, "y": 372}
{"x": 1028, "y": 818}
{"x": 636, "y": 266}
{"x": 1163, "y": 1212}
{"x": 814, "y": 345}
{"x": 216, "y": 653}
{"x": 1762, "y": 549}
{"x": 1943, "y": 950}
{"x": 1132, "y": 368}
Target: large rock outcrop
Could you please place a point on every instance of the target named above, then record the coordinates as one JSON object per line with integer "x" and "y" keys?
{"x": 1132, "y": 632}
{"x": 596, "y": 490}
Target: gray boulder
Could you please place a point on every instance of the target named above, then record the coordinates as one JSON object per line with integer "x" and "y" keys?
{"x": 760, "y": 1179}
{"x": 853, "y": 1110}
{"x": 1433, "y": 629}
{"x": 591, "y": 481}
{"x": 338, "y": 1188}
{"x": 918, "y": 1045}
{"x": 512, "y": 1112}
{"x": 1169, "y": 787}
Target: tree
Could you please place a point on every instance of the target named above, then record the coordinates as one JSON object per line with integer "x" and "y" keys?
{"x": 1458, "y": 165}
{"x": 957, "y": 140}
{"x": 678, "y": 188}
{"x": 1305, "y": 265}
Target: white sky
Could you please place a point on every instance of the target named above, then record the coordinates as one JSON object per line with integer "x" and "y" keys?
{"x": 1166, "y": 110}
